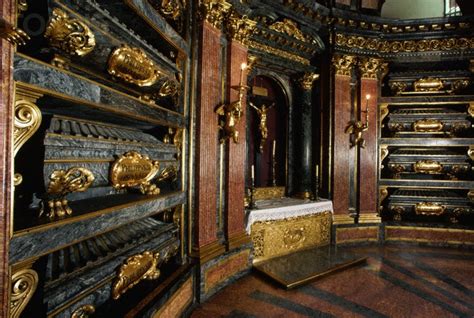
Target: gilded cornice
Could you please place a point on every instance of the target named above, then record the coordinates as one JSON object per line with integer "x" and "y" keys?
{"x": 214, "y": 11}
{"x": 240, "y": 28}
{"x": 278, "y": 52}
{"x": 289, "y": 27}
{"x": 343, "y": 64}
{"x": 306, "y": 81}
{"x": 408, "y": 46}
{"x": 369, "y": 67}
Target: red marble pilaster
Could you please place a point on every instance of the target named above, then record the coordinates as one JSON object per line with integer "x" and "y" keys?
{"x": 341, "y": 159}
{"x": 237, "y": 54}
{"x": 6, "y": 129}
{"x": 207, "y": 137}
{"x": 368, "y": 155}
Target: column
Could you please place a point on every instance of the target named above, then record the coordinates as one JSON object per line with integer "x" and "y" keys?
{"x": 343, "y": 66}
{"x": 303, "y": 136}
{"x": 205, "y": 244}
{"x": 368, "y": 163}
{"x": 239, "y": 29}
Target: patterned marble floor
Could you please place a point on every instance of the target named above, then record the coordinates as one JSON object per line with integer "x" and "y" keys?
{"x": 397, "y": 281}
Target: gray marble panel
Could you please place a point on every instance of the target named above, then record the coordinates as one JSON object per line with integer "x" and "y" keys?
{"x": 34, "y": 243}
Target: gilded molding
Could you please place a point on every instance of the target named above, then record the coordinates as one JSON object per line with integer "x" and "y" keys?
{"x": 170, "y": 88}
{"x": 133, "y": 169}
{"x": 239, "y": 28}
{"x": 136, "y": 268}
{"x": 289, "y": 27}
{"x": 383, "y": 193}
{"x": 383, "y": 152}
{"x": 62, "y": 182}
{"x": 70, "y": 35}
{"x": 398, "y": 87}
{"x": 83, "y": 311}
{"x": 12, "y": 34}
{"x": 383, "y": 112}
{"x": 428, "y": 84}
{"x": 306, "y": 81}
{"x": 265, "y": 193}
{"x": 385, "y": 46}
{"x": 278, "y": 52}
{"x": 369, "y": 67}
{"x": 23, "y": 285}
{"x": 214, "y": 11}
{"x": 343, "y": 64}
{"x": 132, "y": 65}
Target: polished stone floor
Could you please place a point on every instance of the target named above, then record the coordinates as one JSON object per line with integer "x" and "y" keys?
{"x": 397, "y": 281}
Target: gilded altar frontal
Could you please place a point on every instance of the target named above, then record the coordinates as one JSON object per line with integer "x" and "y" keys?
{"x": 237, "y": 158}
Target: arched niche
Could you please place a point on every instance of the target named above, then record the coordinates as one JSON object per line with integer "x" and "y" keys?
{"x": 268, "y": 97}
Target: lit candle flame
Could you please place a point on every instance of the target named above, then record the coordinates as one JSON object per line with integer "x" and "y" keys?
{"x": 367, "y": 96}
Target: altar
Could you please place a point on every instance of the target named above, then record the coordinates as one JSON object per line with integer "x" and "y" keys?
{"x": 281, "y": 226}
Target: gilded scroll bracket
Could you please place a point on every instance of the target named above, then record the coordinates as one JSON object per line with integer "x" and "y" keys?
{"x": 24, "y": 282}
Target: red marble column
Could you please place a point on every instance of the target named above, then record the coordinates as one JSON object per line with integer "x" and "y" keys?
{"x": 368, "y": 155}
{"x": 341, "y": 142}
{"x": 235, "y": 230}
{"x": 207, "y": 139}
{"x": 6, "y": 128}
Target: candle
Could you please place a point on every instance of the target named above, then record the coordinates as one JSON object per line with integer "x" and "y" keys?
{"x": 274, "y": 147}
{"x": 253, "y": 172}
{"x": 367, "y": 97}
{"x": 317, "y": 171}
{"x": 242, "y": 68}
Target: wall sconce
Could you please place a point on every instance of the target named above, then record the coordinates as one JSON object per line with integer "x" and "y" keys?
{"x": 231, "y": 113}
{"x": 355, "y": 129}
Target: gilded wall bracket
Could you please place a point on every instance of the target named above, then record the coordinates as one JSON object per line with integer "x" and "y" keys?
{"x": 24, "y": 282}
{"x": 62, "y": 182}
{"x": 27, "y": 120}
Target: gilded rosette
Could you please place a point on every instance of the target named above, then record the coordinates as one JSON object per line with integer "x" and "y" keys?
{"x": 136, "y": 268}
{"x": 69, "y": 35}
{"x": 132, "y": 65}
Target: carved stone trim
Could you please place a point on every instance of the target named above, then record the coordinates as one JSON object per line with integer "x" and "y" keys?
{"x": 214, "y": 11}
{"x": 239, "y": 28}
{"x": 369, "y": 67}
{"x": 343, "y": 64}
{"x": 23, "y": 285}
{"x": 289, "y": 27}
{"x": 132, "y": 65}
{"x": 136, "y": 268}
{"x": 70, "y": 35}
{"x": 306, "y": 81}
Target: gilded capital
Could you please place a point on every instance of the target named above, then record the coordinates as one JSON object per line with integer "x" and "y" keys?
{"x": 214, "y": 11}
{"x": 343, "y": 64}
{"x": 239, "y": 28}
{"x": 306, "y": 81}
{"x": 369, "y": 67}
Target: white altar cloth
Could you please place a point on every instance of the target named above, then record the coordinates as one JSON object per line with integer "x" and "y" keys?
{"x": 276, "y": 209}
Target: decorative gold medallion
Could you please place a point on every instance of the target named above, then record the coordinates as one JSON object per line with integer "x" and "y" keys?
{"x": 63, "y": 182}
{"x": 136, "y": 268}
{"x": 428, "y": 84}
{"x": 133, "y": 169}
{"x": 69, "y": 35}
{"x": 132, "y": 65}
{"x": 428, "y": 125}
{"x": 427, "y": 167}
{"x": 289, "y": 27}
{"x": 429, "y": 208}
{"x": 24, "y": 283}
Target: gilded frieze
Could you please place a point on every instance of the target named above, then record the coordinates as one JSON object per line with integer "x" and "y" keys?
{"x": 289, "y": 27}
{"x": 407, "y": 46}
{"x": 343, "y": 64}
{"x": 68, "y": 34}
{"x": 136, "y": 268}
{"x": 239, "y": 28}
{"x": 132, "y": 65}
{"x": 214, "y": 11}
{"x": 278, "y": 52}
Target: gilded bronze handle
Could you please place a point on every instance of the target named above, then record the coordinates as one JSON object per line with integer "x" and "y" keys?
{"x": 428, "y": 167}
{"x": 429, "y": 208}
{"x": 428, "y": 125}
